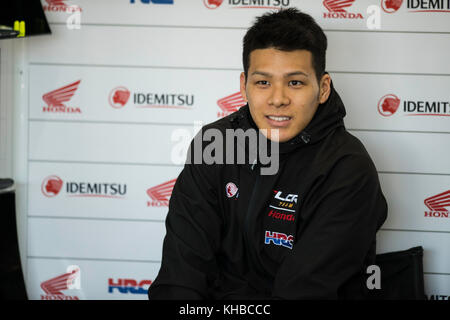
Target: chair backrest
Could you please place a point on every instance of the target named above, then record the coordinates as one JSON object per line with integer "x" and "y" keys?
{"x": 401, "y": 275}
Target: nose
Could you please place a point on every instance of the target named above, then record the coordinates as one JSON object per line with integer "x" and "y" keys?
{"x": 278, "y": 97}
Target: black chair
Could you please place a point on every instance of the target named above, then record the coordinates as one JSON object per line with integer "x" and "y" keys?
{"x": 401, "y": 275}
{"x": 12, "y": 285}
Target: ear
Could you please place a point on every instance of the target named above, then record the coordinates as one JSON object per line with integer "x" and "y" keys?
{"x": 243, "y": 81}
{"x": 325, "y": 88}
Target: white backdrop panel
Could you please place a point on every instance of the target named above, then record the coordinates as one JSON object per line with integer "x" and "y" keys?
{"x": 405, "y": 194}
{"x": 98, "y": 100}
{"x": 407, "y": 151}
{"x": 229, "y": 15}
{"x": 94, "y": 277}
{"x": 436, "y": 256}
{"x": 135, "y": 204}
{"x": 437, "y": 287}
{"x": 104, "y": 142}
{"x": 95, "y": 239}
{"x": 138, "y": 46}
{"x": 369, "y": 52}
{"x": 202, "y": 48}
{"x": 361, "y": 94}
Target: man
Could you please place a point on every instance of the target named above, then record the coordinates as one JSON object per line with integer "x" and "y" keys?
{"x": 305, "y": 232}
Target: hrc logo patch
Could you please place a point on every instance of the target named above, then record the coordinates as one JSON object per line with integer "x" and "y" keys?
{"x": 279, "y": 239}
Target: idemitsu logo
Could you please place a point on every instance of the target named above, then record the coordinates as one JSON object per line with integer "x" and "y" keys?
{"x": 336, "y": 9}
{"x": 212, "y": 4}
{"x": 428, "y": 5}
{"x": 248, "y": 4}
{"x": 415, "y": 6}
{"x": 60, "y": 6}
{"x": 160, "y": 194}
{"x": 118, "y": 97}
{"x": 129, "y": 286}
{"x": 53, "y": 287}
{"x": 163, "y": 100}
{"x": 389, "y": 104}
{"x": 55, "y": 99}
{"x": 391, "y": 6}
{"x": 230, "y": 104}
{"x": 437, "y": 205}
{"x": 52, "y": 185}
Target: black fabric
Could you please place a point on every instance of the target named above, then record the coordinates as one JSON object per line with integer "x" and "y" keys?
{"x": 221, "y": 247}
{"x": 12, "y": 285}
{"x": 401, "y": 275}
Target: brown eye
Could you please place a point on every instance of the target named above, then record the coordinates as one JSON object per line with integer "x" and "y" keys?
{"x": 295, "y": 83}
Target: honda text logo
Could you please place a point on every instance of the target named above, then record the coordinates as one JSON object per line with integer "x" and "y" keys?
{"x": 53, "y": 185}
{"x": 230, "y": 104}
{"x": 129, "y": 286}
{"x": 437, "y": 205}
{"x": 337, "y": 9}
{"x": 68, "y": 281}
{"x": 54, "y": 99}
{"x": 60, "y": 6}
{"x": 160, "y": 194}
{"x": 389, "y": 104}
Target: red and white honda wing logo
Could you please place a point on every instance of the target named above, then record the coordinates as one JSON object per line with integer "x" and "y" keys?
{"x": 439, "y": 202}
{"x": 160, "y": 194}
{"x": 230, "y": 104}
{"x": 391, "y": 6}
{"x": 53, "y": 287}
{"x": 337, "y": 5}
{"x": 51, "y": 186}
{"x": 54, "y": 99}
{"x": 60, "y": 6}
{"x": 56, "y": 2}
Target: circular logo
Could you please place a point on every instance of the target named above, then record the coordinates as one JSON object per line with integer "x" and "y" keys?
{"x": 118, "y": 97}
{"x": 388, "y": 105}
{"x": 51, "y": 186}
{"x": 212, "y": 4}
{"x": 231, "y": 189}
{"x": 391, "y": 6}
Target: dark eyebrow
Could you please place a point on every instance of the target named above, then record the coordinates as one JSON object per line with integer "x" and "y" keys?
{"x": 290, "y": 74}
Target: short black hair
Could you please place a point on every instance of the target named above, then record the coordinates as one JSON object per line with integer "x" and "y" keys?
{"x": 287, "y": 30}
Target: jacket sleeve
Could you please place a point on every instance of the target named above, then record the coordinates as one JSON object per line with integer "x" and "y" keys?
{"x": 193, "y": 231}
{"x": 339, "y": 221}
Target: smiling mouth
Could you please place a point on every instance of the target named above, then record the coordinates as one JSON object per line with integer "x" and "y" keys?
{"x": 279, "y": 118}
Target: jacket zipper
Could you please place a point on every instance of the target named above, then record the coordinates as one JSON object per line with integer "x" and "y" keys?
{"x": 247, "y": 231}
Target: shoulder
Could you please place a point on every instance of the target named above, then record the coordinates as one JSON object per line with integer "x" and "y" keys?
{"x": 343, "y": 155}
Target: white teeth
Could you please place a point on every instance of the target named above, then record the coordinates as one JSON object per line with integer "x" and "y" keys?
{"x": 279, "y": 118}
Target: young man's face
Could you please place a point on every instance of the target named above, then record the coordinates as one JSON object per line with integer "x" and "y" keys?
{"x": 282, "y": 90}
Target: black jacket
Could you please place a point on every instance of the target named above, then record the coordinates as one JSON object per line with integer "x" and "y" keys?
{"x": 307, "y": 232}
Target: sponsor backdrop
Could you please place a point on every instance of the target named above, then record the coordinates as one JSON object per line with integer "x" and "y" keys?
{"x": 120, "y": 87}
